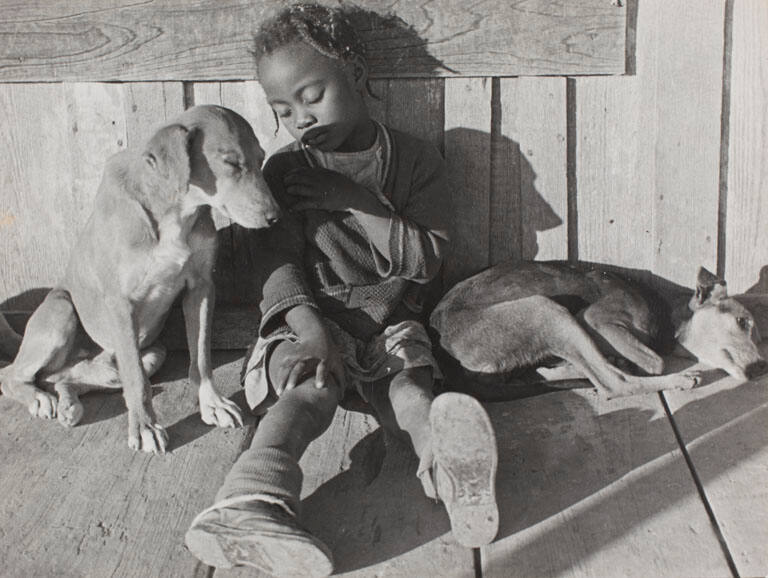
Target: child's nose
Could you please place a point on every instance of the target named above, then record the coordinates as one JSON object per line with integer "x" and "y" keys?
{"x": 305, "y": 121}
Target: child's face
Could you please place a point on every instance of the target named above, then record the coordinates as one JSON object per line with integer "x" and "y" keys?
{"x": 318, "y": 99}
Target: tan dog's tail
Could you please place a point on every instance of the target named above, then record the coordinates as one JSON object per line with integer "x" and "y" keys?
{"x": 9, "y": 341}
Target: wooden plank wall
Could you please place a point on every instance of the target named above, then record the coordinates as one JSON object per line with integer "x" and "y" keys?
{"x": 659, "y": 170}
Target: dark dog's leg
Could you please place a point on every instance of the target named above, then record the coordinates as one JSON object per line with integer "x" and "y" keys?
{"x": 570, "y": 341}
{"x": 47, "y": 344}
{"x": 518, "y": 333}
{"x": 612, "y": 328}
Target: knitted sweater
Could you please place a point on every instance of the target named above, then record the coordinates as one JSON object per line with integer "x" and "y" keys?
{"x": 324, "y": 259}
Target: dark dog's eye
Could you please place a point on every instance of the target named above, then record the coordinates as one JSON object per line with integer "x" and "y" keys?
{"x": 743, "y": 323}
{"x": 233, "y": 163}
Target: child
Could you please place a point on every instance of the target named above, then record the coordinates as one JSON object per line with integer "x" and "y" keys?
{"x": 361, "y": 236}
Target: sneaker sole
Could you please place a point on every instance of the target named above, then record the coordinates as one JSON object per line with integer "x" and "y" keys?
{"x": 464, "y": 446}
{"x": 279, "y": 554}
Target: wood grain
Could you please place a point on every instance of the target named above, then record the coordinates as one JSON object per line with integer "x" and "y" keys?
{"x": 57, "y": 139}
{"x": 746, "y": 238}
{"x": 100, "y": 40}
{"x": 529, "y": 162}
{"x": 78, "y": 502}
{"x": 588, "y": 487}
{"x": 724, "y": 427}
{"x": 688, "y": 104}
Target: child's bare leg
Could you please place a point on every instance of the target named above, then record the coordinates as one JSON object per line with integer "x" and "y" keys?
{"x": 403, "y": 406}
{"x": 456, "y": 446}
{"x": 254, "y": 520}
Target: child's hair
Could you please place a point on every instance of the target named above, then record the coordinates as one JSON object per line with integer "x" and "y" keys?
{"x": 325, "y": 29}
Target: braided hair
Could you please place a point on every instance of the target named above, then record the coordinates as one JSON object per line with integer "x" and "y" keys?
{"x": 325, "y": 29}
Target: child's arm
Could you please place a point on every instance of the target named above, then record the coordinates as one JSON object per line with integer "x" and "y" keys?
{"x": 408, "y": 244}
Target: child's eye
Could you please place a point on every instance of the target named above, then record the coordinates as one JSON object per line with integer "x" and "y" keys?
{"x": 282, "y": 111}
{"x": 313, "y": 95}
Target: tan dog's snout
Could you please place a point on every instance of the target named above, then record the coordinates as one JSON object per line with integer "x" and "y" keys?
{"x": 249, "y": 204}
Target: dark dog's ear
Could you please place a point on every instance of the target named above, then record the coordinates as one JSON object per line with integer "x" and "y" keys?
{"x": 167, "y": 157}
{"x": 709, "y": 289}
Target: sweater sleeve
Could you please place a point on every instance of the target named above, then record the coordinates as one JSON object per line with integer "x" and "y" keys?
{"x": 278, "y": 255}
{"x": 418, "y": 238}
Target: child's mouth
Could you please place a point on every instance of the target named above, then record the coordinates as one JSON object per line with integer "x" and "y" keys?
{"x": 314, "y": 138}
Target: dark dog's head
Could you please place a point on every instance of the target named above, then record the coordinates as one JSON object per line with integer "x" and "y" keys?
{"x": 210, "y": 156}
{"x": 721, "y": 331}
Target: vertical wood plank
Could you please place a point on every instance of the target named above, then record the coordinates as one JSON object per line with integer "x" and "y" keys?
{"x": 746, "y": 249}
{"x": 467, "y": 152}
{"x": 416, "y": 106}
{"x": 615, "y": 164}
{"x": 528, "y": 206}
{"x": 689, "y": 96}
{"x": 148, "y": 106}
{"x": 57, "y": 138}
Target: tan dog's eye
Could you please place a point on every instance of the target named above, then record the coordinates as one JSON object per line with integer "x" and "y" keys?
{"x": 743, "y": 323}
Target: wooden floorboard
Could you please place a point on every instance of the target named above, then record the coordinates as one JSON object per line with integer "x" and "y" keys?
{"x": 78, "y": 502}
{"x": 725, "y": 429}
{"x": 589, "y": 487}
{"x": 586, "y": 487}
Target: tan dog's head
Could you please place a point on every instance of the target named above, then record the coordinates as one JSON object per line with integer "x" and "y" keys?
{"x": 721, "y": 331}
{"x": 210, "y": 156}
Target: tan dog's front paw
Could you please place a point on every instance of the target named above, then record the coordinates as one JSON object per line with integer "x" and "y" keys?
{"x": 44, "y": 405}
{"x": 217, "y": 410}
{"x": 146, "y": 436}
{"x": 70, "y": 412}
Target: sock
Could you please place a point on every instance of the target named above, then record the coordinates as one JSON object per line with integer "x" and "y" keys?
{"x": 264, "y": 471}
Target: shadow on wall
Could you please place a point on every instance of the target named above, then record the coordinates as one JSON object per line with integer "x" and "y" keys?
{"x": 495, "y": 213}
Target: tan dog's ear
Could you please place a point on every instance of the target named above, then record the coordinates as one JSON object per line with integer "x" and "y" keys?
{"x": 167, "y": 157}
{"x": 709, "y": 289}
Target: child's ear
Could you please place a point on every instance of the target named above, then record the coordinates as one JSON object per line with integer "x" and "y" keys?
{"x": 359, "y": 71}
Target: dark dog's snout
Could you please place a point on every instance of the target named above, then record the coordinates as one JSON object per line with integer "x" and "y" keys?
{"x": 756, "y": 369}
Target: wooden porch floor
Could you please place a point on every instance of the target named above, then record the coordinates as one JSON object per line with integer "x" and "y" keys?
{"x": 587, "y": 488}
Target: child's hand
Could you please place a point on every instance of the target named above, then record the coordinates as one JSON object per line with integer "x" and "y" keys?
{"x": 324, "y": 189}
{"x": 314, "y": 353}
{"x": 316, "y": 356}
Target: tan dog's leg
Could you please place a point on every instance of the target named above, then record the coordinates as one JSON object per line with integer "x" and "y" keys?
{"x": 143, "y": 430}
{"x": 46, "y": 346}
{"x": 198, "y": 314}
{"x": 95, "y": 373}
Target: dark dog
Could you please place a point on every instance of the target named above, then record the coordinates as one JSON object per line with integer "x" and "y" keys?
{"x": 518, "y": 315}
{"x": 150, "y": 237}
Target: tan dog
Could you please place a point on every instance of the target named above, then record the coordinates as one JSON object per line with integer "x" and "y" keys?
{"x": 150, "y": 237}
{"x": 517, "y": 315}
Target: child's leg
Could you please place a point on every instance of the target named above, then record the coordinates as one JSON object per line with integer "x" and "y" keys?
{"x": 254, "y": 518}
{"x": 456, "y": 446}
